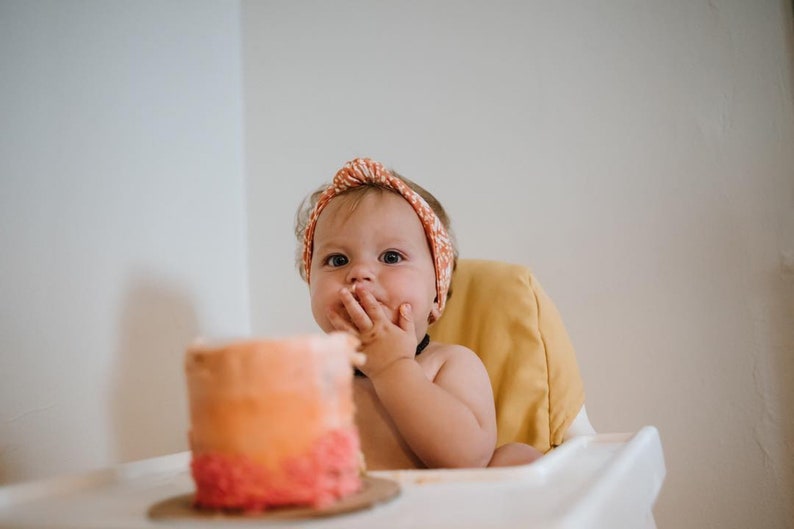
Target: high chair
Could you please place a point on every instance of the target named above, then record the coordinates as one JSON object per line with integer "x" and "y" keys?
{"x": 500, "y": 311}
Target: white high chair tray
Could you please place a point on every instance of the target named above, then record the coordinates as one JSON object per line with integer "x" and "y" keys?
{"x": 601, "y": 481}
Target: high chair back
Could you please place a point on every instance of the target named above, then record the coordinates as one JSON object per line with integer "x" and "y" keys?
{"x": 500, "y": 311}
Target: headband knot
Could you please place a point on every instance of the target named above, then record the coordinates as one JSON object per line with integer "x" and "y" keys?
{"x": 363, "y": 171}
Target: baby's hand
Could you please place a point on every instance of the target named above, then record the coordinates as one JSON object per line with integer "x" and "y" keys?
{"x": 383, "y": 341}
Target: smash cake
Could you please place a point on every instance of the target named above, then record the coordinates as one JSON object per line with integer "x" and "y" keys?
{"x": 272, "y": 422}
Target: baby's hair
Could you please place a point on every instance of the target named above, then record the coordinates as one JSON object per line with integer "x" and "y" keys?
{"x": 355, "y": 195}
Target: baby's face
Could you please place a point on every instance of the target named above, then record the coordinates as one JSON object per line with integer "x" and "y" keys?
{"x": 380, "y": 246}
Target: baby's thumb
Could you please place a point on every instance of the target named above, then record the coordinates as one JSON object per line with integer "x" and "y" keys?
{"x": 406, "y": 317}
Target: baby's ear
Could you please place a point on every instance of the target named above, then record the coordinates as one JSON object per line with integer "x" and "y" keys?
{"x": 434, "y": 315}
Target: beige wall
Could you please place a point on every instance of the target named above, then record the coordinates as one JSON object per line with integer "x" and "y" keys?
{"x": 637, "y": 155}
{"x": 122, "y": 223}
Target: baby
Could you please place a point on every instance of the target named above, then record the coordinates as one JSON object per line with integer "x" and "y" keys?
{"x": 378, "y": 258}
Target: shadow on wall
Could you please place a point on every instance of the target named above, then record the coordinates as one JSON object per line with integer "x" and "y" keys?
{"x": 7, "y": 452}
{"x": 149, "y": 402}
{"x": 785, "y": 327}
{"x": 782, "y": 336}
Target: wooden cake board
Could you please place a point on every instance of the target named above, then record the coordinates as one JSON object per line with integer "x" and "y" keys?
{"x": 373, "y": 491}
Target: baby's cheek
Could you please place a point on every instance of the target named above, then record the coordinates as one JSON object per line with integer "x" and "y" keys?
{"x": 320, "y": 313}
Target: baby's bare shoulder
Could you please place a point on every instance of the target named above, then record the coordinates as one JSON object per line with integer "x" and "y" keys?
{"x": 459, "y": 371}
{"x": 450, "y": 359}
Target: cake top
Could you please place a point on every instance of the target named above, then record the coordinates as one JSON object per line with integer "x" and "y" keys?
{"x": 333, "y": 340}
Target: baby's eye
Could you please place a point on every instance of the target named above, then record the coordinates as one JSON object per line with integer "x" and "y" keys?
{"x": 336, "y": 260}
{"x": 391, "y": 257}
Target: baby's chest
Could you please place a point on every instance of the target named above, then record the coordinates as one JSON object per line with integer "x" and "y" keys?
{"x": 381, "y": 441}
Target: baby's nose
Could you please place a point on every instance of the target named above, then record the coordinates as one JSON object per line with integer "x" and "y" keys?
{"x": 360, "y": 272}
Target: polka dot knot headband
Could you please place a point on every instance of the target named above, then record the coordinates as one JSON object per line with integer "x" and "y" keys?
{"x": 363, "y": 171}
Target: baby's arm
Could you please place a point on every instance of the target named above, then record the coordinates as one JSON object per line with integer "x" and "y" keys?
{"x": 448, "y": 422}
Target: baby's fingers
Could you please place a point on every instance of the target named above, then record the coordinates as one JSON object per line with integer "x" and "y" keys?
{"x": 358, "y": 315}
{"x": 406, "y": 320}
{"x": 341, "y": 324}
{"x": 371, "y": 305}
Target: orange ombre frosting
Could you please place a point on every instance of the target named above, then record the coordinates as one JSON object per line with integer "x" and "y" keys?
{"x": 272, "y": 422}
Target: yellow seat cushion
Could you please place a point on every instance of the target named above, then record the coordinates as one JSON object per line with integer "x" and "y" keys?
{"x": 500, "y": 311}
